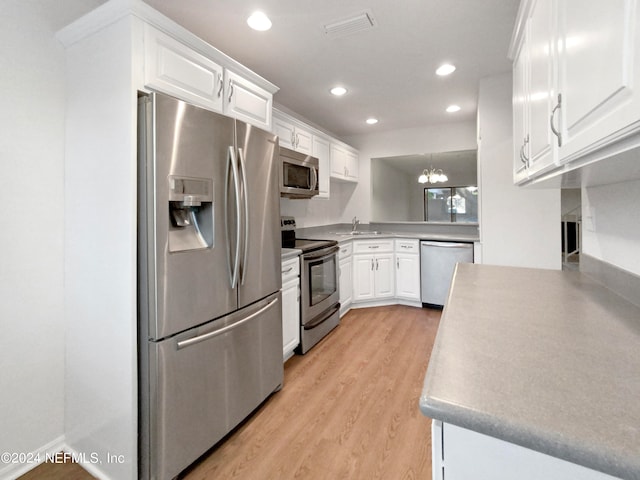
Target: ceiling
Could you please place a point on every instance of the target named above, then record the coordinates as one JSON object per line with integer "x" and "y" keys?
{"x": 389, "y": 70}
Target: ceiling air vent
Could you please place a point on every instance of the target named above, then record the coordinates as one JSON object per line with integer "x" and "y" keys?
{"x": 353, "y": 24}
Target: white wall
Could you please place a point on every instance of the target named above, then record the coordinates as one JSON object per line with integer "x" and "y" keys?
{"x": 31, "y": 236}
{"x": 611, "y": 224}
{"x": 518, "y": 226}
{"x": 434, "y": 138}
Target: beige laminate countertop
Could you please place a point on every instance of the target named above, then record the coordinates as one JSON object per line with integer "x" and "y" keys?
{"x": 544, "y": 359}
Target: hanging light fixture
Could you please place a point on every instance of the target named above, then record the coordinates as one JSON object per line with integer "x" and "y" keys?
{"x": 431, "y": 175}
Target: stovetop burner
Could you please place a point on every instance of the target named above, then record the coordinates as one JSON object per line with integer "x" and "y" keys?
{"x": 289, "y": 240}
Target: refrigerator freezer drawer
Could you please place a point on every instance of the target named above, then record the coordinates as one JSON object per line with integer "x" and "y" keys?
{"x": 205, "y": 381}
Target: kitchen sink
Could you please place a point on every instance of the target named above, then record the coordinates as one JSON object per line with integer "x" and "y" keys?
{"x": 360, "y": 232}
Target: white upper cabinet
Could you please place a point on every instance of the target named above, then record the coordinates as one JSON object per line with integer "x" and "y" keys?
{"x": 344, "y": 162}
{"x": 174, "y": 68}
{"x": 292, "y": 134}
{"x": 597, "y": 42}
{"x": 246, "y": 101}
{"x": 575, "y": 93}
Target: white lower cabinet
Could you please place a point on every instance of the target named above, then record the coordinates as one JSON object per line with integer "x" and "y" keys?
{"x": 346, "y": 277}
{"x": 373, "y": 272}
{"x": 290, "y": 306}
{"x": 461, "y": 454}
{"x": 407, "y": 269}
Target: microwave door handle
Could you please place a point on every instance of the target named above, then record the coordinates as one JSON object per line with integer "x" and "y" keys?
{"x": 233, "y": 258}
{"x": 314, "y": 179}
{"x": 245, "y": 215}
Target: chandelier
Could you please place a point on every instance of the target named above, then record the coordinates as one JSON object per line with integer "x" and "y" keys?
{"x": 431, "y": 175}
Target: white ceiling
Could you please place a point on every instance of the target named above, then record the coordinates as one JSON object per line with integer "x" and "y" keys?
{"x": 388, "y": 70}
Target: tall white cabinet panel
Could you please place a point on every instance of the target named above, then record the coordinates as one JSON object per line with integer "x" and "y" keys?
{"x": 597, "y": 42}
{"x": 174, "y": 68}
{"x": 322, "y": 152}
{"x": 246, "y": 101}
{"x": 520, "y": 113}
{"x": 363, "y": 277}
{"x": 346, "y": 277}
{"x": 290, "y": 306}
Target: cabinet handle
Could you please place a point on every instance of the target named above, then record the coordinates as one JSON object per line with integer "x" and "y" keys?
{"x": 525, "y": 160}
{"x": 297, "y": 140}
{"x": 230, "y": 90}
{"x": 287, "y": 270}
{"x": 376, "y": 264}
{"x": 373, "y": 246}
{"x": 372, "y": 264}
{"x": 221, "y": 83}
{"x": 398, "y": 263}
{"x": 293, "y": 139}
{"x": 553, "y": 114}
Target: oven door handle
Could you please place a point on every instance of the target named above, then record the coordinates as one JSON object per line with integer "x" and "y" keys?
{"x": 317, "y": 321}
{"x": 324, "y": 253}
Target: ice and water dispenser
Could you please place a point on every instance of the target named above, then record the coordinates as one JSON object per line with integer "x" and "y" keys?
{"x": 191, "y": 213}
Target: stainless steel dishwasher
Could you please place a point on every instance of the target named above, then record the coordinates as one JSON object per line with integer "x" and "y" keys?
{"x": 437, "y": 262}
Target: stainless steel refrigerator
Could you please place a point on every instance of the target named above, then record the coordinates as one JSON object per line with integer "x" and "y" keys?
{"x": 209, "y": 279}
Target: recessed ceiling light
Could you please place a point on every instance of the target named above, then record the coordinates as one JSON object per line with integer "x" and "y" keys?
{"x": 453, "y": 108}
{"x": 446, "y": 69}
{"x": 372, "y": 121}
{"x": 259, "y": 21}
{"x": 338, "y": 91}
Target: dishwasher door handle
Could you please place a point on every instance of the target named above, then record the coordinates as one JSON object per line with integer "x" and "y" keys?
{"x": 447, "y": 244}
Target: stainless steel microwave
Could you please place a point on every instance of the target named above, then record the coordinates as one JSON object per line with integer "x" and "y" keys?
{"x": 298, "y": 174}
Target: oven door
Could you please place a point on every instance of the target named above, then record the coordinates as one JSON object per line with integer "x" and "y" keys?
{"x": 319, "y": 282}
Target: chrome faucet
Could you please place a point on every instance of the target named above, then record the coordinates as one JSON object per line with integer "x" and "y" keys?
{"x": 354, "y": 224}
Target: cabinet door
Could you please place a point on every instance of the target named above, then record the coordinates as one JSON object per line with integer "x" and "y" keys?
{"x": 520, "y": 113}
{"x": 172, "y": 67}
{"x": 353, "y": 167}
{"x": 338, "y": 162}
{"x": 384, "y": 276}
{"x": 290, "y": 317}
{"x": 285, "y": 132}
{"x": 322, "y": 152}
{"x": 346, "y": 282}
{"x": 408, "y": 276}
{"x": 541, "y": 92}
{"x": 363, "y": 277}
{"x": 246, "y": 101}
{"x": 597, "y": 65}
{"x": 304, "y": 142}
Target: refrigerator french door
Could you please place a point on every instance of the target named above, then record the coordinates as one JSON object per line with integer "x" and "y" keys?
{"x": 210, "y": 331}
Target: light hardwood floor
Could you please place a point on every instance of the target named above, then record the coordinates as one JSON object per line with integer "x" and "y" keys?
{"x": 348, "y": 409}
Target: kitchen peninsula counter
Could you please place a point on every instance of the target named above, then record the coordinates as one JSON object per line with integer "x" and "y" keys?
{"x": 544, "y": 359}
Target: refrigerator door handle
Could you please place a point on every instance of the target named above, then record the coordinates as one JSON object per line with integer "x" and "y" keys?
{"x": 233, "y": 258}
{"x": 245, "y": 219}
{"x": 207, "y": 336}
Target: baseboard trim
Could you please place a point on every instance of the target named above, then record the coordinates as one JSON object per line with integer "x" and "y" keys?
{"x": 13, "y": 470}
{"x": 616, "y": 279}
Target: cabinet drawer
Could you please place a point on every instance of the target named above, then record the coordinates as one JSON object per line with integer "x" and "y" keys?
{"x": 373, "y": 246}
{"x": 346, "y": 249}
{"x": 290, "y": 269}
{"x": 407, "y": 246}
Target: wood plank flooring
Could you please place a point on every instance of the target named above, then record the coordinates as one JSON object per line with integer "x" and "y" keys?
{"x": 348, "y": 409}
